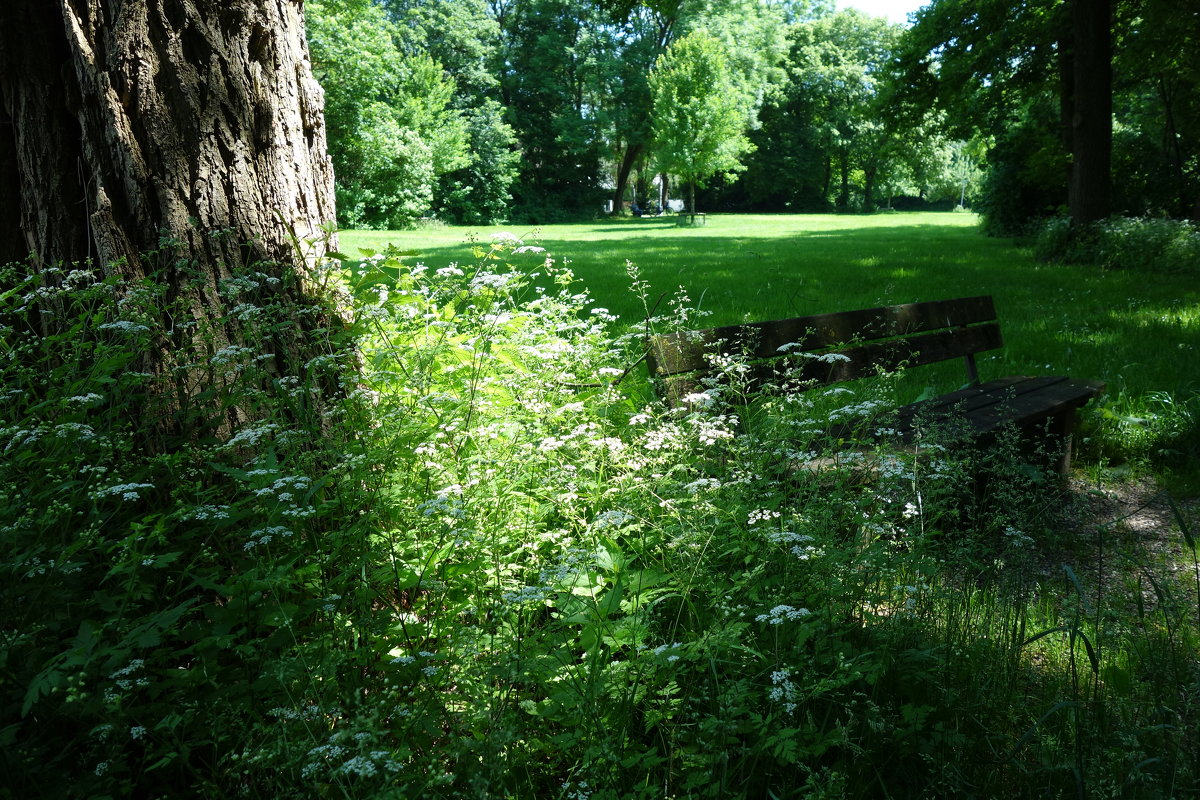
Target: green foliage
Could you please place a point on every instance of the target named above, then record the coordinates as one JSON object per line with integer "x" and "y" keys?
{"x": 499, "y": 567}
{"x": 841, "y": 110}
{"x": 166, "y": 535}
{"x": 985, "y": 65}
{"x": 1027, "y": 176}
{"x": 552, "y": 71}
{"x": 834, "y": 125}
{"x": 1142, "y": 244}
{"x": 478, "y": 194}
{"x": 461, "y": 35}
{"x": 699, "y": 117}
{"x": 391, "y": 128}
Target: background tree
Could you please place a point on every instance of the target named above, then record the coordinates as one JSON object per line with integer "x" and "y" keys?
{"x": 464, "y": 39}
{"x": 550, "y": 85}
{"x": 479, "y": 193}
{"x": 699, "y": 116}
{"x": 831, "y": 134}
{"x": 461, "y": 35}
{"x": 392, "y": 129}
{"x": 992, "y": 65}
{"x": 752, "y": 35}
{"x": 1156, "y": 95}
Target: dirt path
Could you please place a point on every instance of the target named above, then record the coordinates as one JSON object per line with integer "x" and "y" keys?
{"x": 1132, "y": 532}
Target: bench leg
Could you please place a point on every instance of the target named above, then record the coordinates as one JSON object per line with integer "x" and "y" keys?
{"x": 1059, "y": 430}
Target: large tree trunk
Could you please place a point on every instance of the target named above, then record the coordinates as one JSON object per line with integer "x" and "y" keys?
{"x": 843, "y": 198}
{"x": 869, "y": 188}
{"x": 1089, "y": 192}
{"x": 192, "y": 128}
{"x": 146, "y": 117}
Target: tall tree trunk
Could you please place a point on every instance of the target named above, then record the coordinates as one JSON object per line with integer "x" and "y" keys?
{"x": 843, "y": 198}
{"x": 869, "y": 188}
{"x": 1090, "y": 189}
{"x": 1171, "y": 141}
{"x": 632, "y": 152}
{"x": 189, "y": 127}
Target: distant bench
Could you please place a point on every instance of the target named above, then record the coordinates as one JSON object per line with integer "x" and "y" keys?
{"x": 796, "y": 354}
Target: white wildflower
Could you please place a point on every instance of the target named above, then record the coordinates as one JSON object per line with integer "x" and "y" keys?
{"x": 84, "y": 399}
{"x": 124, "y": 326}
{"x": 127, "y": 491}
{"x": 779, "y": 614}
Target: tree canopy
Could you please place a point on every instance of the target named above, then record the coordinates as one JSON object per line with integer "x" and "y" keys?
{"x": 699, "y": 117}
{"x": 540, "y": 109}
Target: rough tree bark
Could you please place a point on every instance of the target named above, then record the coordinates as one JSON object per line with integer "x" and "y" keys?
{"x": 131, "y": 119}
{"x": 128, "y": 123}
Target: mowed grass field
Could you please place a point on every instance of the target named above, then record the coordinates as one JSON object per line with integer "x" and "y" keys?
{"x": 1139, "y": 332}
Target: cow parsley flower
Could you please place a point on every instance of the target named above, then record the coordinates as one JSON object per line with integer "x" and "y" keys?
{"x": 779, "y": 614}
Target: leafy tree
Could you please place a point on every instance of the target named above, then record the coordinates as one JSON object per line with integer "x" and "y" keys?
{"x": 479, "y": 193}
{"x": 392, "y": 130}
{"x": 842, "y": 60}
{"x": 464, "y": 39}
{"x": 985, "y": 62}
{"x": 1156, "y": 158}
{"x": 461, "y": 35}
{"x": 699, "y": 116}
{"x": 752, "y": 34}
{"x": 550, "y": 85}
{"x": 831, "y": 126}
{"x": 943, "y": 170}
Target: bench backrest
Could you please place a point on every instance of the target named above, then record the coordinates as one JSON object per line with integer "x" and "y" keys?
{"x": 855, "y": 344}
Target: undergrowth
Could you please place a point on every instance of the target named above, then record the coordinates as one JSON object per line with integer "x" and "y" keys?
{"x": 499, "y": 568}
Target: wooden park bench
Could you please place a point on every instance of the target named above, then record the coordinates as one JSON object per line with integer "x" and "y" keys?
{"x": 800, "y": 353}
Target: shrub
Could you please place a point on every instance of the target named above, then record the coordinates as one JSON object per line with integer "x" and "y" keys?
{"x": 1140, "y": 243}
{"x": 1026, "y": 180}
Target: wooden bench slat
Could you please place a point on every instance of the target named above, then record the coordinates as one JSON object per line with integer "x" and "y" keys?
{"x": 689, "y": 351}
{"x": 1019, "y": 400}
{"x": 865, "y": 361}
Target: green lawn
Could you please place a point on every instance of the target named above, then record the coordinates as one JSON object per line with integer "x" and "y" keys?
{"x": 1138, "y": 332}
{"x": 743, "y": 267}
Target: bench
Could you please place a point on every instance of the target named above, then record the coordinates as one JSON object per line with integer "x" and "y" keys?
{"x": 800, "y": 353}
